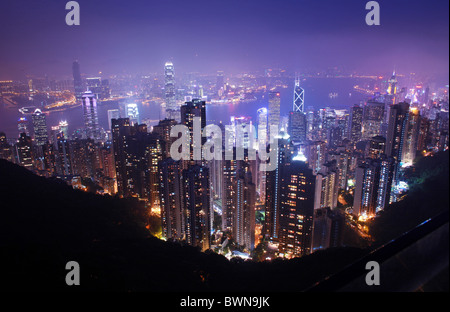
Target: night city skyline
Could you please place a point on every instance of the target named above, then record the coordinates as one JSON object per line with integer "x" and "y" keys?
{"x": 225, "y": 146}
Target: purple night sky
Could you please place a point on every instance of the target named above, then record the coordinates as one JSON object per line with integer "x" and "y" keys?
{"x": 118, "y": 36}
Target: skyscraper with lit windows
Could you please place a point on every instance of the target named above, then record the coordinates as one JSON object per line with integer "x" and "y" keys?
{"x": 24, "y": 150}
{"x": 172, "y": 109}
{"x": 296, "y": 209}
{"x": 356, "y": 124}
{"x": 196, "y": 199}
{"x": 90, "y": 114}
{"x": 39, "y": 127}
{"x": 274, "y": 112}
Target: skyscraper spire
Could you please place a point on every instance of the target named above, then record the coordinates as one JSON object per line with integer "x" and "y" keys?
{"x": 299, "y": 95}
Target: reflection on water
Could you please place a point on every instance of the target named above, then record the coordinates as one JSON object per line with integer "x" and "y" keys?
{"x": 317, "y": 91}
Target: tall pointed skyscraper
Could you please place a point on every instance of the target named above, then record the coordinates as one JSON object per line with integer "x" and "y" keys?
{"x": 172, "y": 110}
{"x": 299, "y": 97}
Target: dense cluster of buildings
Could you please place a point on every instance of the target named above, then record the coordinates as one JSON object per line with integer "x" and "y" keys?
{"x": 319, "y": 154}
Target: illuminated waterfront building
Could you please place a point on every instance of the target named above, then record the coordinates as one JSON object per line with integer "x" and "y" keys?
{"x": 132, "y": 112}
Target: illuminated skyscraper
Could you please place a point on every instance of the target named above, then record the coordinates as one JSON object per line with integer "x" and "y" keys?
{"x": 132, "y": 112}
{"x": 392, "y": 85}
{"x": 297, "y": 127}
{"x": 262, "y": 126}
{"x": 372, "y": 119}
{"x": 296, "y": 209}
{"x": 172, "y": 215}
{"x": 62, "y": 155}
{"x": 356, "y": 124}
{"x": 24, "y": 151}
{"x": 411, "y": 136}
{"x": 273, "y": 186}
{"x": 274, "y": 112}
{"x": 244, "y": 218}
{"x": 326, "y": 192}
{"x": 196, "y": 199}
{"x": 262, "y": 141}
{"x": 373, "y": 186}
{"x": 6, "y": 150}
{"x": 90, "y": 116}
{"x": 39, "y": 127}
{"x": 229, "y": 168}
{"x": 299, "y": 97}
{"x": 397, "y": 127}
{"x": 121, "y": 132}
{"x": 172, "y": 109}
{"x": 188, "y": 112}
{"x": 136, "y": 155}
